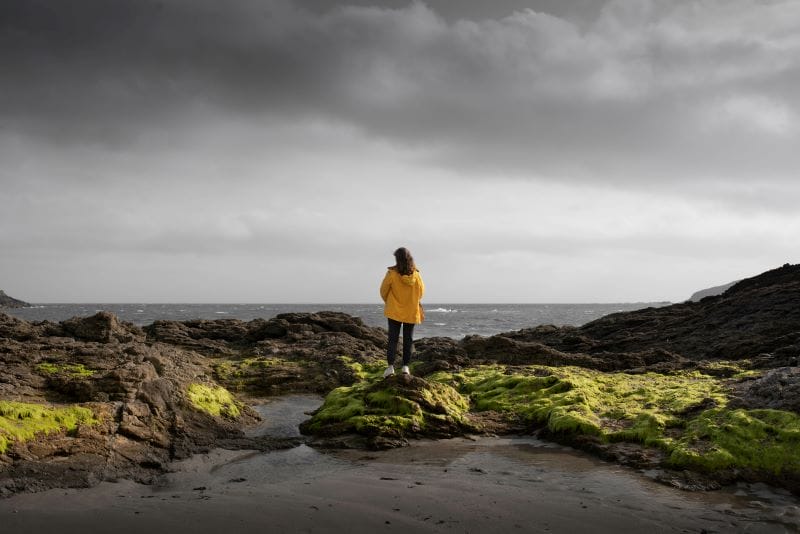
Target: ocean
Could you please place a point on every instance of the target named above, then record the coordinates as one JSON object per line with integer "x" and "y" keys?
{"x": 447, "y": 320}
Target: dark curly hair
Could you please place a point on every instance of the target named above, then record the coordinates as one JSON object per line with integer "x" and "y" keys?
{"x": 404, "y": 261}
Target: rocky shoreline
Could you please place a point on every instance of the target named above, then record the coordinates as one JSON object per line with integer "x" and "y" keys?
{"x": 93, "y": 399}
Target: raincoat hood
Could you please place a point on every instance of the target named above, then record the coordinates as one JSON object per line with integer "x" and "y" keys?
{"x": 410, "y": 279}
{"x": 401, "y": 294}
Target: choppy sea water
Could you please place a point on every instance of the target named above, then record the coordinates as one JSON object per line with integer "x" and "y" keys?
{"x": 448, "y": 320}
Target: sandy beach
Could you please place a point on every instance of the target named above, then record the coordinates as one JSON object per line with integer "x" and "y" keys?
{"x": 484, "y": 484}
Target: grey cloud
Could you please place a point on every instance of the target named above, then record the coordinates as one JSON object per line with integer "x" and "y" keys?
{"x": 621, "y": 97}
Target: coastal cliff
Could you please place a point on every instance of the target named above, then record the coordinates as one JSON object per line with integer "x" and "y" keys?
{"x": 10, "y": 302}
{"x": 94, "y": 398}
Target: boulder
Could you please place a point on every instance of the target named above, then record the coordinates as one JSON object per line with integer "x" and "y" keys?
{"x": 103, "y": 327}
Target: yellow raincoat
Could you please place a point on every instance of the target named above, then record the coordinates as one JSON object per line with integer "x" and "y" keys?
{"x": 401, "y": 295}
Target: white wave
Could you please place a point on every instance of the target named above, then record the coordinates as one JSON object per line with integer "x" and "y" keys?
{"x": 222, "y": 313}
{"x": 441, "y": 310}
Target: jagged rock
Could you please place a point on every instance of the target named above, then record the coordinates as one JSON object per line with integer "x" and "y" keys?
{"x": 755, "y": 316}
{"x": 301, "y": 334}
{"x": 778, "y": 389}
{"x": 103, "y": 327}
{"x": 440, "y": 348}
{"x": 17, "y": 329}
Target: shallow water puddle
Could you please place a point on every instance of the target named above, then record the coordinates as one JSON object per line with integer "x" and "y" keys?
{"x": 282, "y": 415}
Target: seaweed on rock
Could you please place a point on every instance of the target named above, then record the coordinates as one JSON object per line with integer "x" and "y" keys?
{"x": 400, "y": 406}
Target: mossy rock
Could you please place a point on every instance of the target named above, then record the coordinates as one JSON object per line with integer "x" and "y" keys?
{"x": 21, "y": 421}
{"x": 685, "y": 414}
{"x": 757, "y": 440}
{"x": 70, "y": 370}
{"x": 401, "y": 406}
{"x": 574, "y": 400}
{"x": 213, "y": 400}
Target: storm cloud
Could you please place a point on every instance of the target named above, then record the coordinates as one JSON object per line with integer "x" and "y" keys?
{"x": 579, "y": 152}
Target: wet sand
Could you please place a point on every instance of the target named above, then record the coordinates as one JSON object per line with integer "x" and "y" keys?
{"x": 459, "y": 485}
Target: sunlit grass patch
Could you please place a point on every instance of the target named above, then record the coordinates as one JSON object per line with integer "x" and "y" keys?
{"x": 24, "y": 421}
{"x": 213, "y": 400}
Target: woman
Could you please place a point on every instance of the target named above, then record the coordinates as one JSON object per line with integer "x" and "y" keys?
{"x": 401, "y": 291}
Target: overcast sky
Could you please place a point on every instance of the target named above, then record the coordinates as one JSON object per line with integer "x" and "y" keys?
{"x": 279, "y": 150}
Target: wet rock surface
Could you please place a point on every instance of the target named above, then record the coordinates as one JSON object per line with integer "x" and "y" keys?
{"x": 135, "y": 380}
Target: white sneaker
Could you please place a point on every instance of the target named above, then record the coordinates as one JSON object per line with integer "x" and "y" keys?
{"x": 389, "y": 371}
{"x": 405, "y": 370}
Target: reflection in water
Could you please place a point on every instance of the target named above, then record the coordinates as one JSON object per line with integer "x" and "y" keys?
{"x": 282, "y": 415}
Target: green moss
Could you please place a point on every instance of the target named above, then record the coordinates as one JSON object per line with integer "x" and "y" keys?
{"x": 683, "y": 413}
{"x": 213, "y": 400}
{"x": 74, "y": 370}
{"x": 22, "y": 421}
{"x": 737, "y": 370}
{"x": 613, "y": 406}
{"x": 767, "y": 440}
{"x": 341, "y": 404}
{"x": 364, "y": 371}
{"x": 391, "y": 408}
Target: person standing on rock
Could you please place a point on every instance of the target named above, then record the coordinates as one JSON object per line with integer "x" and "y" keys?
{"x": 401, "y": 291}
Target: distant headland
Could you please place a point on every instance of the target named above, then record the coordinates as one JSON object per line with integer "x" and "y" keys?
{"x": 11, "y": 302}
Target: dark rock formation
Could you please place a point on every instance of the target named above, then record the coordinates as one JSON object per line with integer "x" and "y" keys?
{"x": 756, "y": 319}
{"x": 11, "y": 302}
{"x": 136, "y": 380}
{"x": 292, "y": 352}
{"x": 289, "y": 332}
{"x": 757, "y": 316}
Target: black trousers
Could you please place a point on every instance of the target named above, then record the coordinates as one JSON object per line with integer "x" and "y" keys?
{"x": 394, "y": 336}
